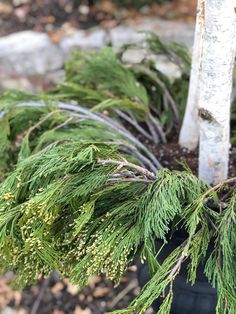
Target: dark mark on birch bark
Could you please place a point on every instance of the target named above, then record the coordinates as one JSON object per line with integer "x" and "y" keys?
{"x": 206, "y": 115}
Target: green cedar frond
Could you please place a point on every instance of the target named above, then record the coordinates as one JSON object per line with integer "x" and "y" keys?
{"x": 153, "y": 264}
{"x": 181, "y": 55}
{"x": 12, "y": 97}
{"x": 165, "y": 199}
{"x": 83, "y": 196}
{"x": 166, "y": 304}
{"x": 198, "y": 253}
{"x": 58, "y": 212}
{"x": 177, "y": 53}
{"x": 162, "y": 280}
{"x": 223, "y": 257}
{"x": 4, "y": 144}
{"x": 155, "y": 287}
{"x": 105, "y": 71}
{"x": 73, "y": 90}
{"x": 140, "y": 111}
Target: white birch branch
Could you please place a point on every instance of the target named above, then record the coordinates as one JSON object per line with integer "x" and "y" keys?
{"x": 189, "y": 134}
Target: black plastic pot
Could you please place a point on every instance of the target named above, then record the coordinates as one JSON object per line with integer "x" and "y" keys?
{"x": 200, "y": 298}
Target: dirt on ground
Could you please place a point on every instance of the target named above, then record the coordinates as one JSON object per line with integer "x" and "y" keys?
{"x": 52, "y": 15}
{"x": 59, "y": 296}
{"x": 172, "y": 156}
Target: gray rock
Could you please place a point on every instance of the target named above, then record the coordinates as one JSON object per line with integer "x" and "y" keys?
{"x": 86, "y": 40}
{"x": 8, "y": 310}
{"x": 55, "y": 77}
{"x": 29, "y": 59}
{"x": 124, "y": 34}
{"x": 32, "y": 83}
{"x": 29, "y": 53}
{"x": 23, "y": 84}
{"x": 170, "y": 69}
{"x": 128, "y": 34}
{"x": 167, "y": 30}
{"x": 134, "y": 55}
{"x": 162, "y": 63}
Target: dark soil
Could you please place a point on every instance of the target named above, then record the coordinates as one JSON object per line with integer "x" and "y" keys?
{"x": 172, "y": 156}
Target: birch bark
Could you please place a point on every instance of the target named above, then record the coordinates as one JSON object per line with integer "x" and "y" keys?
{"x": 189, "y": 134}
{"x": 215, "y": 89}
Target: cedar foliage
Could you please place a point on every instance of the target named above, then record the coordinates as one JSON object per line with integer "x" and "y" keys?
{"x": 82, "y": 195}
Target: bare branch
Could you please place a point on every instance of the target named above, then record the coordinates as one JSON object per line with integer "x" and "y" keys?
{"x": 176, "y": 268}
{"x": 134, "y": 123}
{"x": 166, "y": 92}
{"x": 125, "y": 163}
{"x": 96, "y": 117}
{"x": 137, "y": 180}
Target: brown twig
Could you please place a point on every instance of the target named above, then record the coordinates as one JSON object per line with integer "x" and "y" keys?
{"x": 138, "y": 180}
{"x": 63, "y": 124}
{"x": 125, "y": 163}
{"x": 219, "y": 185}
{"x": 131, "y": 149}
{"x": 37, "y": 302}
{"x": 133, "y": 284}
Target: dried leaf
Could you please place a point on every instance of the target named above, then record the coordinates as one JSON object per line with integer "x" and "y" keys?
{"x": 57, "y": 287}
{"x": 94, "y": 280}
{"x": 58, "y": 312}
{"x": 79, "y": 310}
{"x": 72, "y": 289}
{"x": 22, "y": 311}
{"x": 101, "y": 292}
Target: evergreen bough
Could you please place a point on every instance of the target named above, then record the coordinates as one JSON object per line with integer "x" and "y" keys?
{"x": 82, "y": 195}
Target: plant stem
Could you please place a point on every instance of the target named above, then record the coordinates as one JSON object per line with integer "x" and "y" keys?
{"x": 152, "y": 130}
{"x": 159, "y": 129}
{"x": 136, "y": 180}
{"x": 166, "y": 92}
{"x": 131, "y": 149}
{"x": 125, "y": 163}
{"x": 219, "y": 185}
{"x": 176, "y": 267}
{"x": 96, "y": 117}
{"x": 44, "y": 119}
{"x": 134, "y": 123}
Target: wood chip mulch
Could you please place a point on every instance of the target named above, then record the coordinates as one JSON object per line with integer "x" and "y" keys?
{"x": 59, "y": 296}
